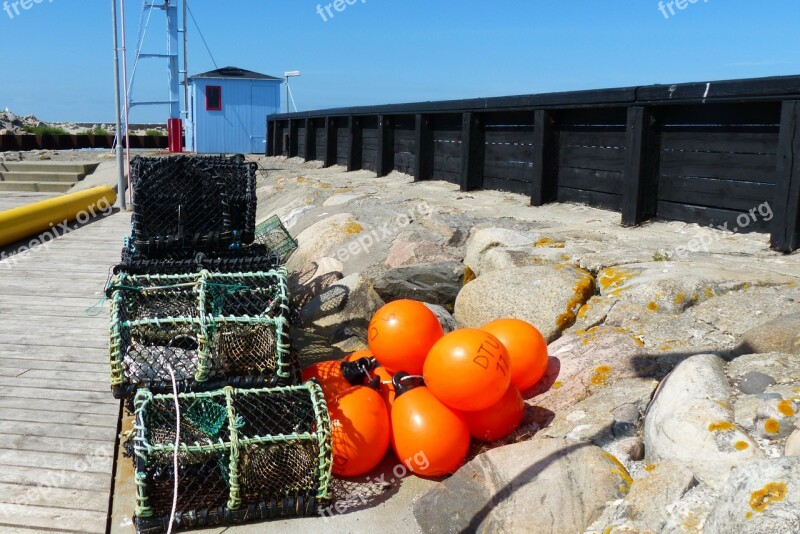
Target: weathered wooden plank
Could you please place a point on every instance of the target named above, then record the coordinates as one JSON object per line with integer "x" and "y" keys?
{"x": 384, "y": 162}
{"x": 43, "y": 415}
{"x": 57, "y": 430}
{"x": 722, "y": 165}
{"x": 59, "y": 406}
{"x": 544, "y": 172}
{"x": 722, "y": 194}
{"x": 591, "y": 180}
{"x": 55, "y": 460}
{"x": 53, "y": 518}
{"x": 53, "y": 366}
{"x": 83, "y": 376}
{"x": 721, "y": 141}
{"x": 510, "y": 186}
{"x": 706, "y": 216}
{"x": 472, "y": 150}
{"x": 423, "y": 137}
{"x": 640, "y": 177}
{"x": 786, "y": 225}
{"x": 592, "y": 198}
{"x": 89, "y": 500}
{"x": 98, "y": 397}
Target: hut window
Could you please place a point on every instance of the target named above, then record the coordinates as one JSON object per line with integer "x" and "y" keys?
{"x": 213, "y": 98}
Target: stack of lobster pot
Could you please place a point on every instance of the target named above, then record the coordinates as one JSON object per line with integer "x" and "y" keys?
{"x": 200, "y": 349}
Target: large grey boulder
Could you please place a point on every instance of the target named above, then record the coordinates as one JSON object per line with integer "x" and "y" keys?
{"x": 582, "y": 363}
{"x": 690, "y": 420}
{"x": 547, "y": 485}
{"x": 759, "y": 498}
{"x": 483, "y": 240}
{"x": 612, "y": 412}
{"x": 779, "y": 335}
{"x": 647, "y": 506}
{"x": 548, "y": 297}
{"x": 348, "y": 305}
{"x": 437, "y": 283}
{"x": 323, "y": 237}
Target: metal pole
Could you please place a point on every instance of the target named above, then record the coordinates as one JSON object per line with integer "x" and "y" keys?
{"x": 121, "y": 183}
{"x": 287, "y": 94}
{"x": 185, "y": 62}
{"x": 127, "y": 100}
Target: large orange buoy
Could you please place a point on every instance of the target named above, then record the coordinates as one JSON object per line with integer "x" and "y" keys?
{"x": 527, "y": 350}
{"x": 402, "y": 333}
{"x": 336, "y": 376}
{"x": 428, "y": 437}
{"x": 499, "y": 420}
{"x": 468, "y": 370}
{"x": 359, "y": 431}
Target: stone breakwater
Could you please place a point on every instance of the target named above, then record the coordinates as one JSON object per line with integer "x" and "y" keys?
{"x": 671, "y": 400}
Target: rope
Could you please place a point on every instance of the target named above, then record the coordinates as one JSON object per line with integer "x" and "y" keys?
{"x": 189, "y": 9}
{"x": 177, "y": 444}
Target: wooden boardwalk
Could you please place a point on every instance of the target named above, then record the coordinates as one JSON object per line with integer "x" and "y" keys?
{"x": 58, "y": 420}
{"x": 14, "y": 200}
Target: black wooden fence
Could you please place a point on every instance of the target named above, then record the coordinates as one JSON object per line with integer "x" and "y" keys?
{"x": 698, "y": 152}
{"x": 24, "y": 142}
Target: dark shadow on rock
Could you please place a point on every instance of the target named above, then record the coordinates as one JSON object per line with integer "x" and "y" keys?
{"x": 375, "y": 488}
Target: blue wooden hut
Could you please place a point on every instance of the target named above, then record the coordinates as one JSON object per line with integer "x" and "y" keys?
{"x": 229, "y": 109}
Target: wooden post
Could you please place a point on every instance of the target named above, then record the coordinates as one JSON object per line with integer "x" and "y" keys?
{"x": 640, "y": 189}
{"x": 354, "y": 141}
{"x": 311, "y": 141}
{"x": 544, "y": 172}
{"x": 269, "y": 148}
{"x": 472, "y": 151}
{"x": 331, "y": 138}
{"x": 385, "y": 158}
{"x": 294, "y": 136}
{"x": 423, "y": 160}
{"x": 786, "y": 204}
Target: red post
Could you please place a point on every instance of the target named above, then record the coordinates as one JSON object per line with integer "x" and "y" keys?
{"x": 175, "y": 132}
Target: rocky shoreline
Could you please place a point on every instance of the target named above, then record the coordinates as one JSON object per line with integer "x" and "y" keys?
{"x": 671, "y": 399}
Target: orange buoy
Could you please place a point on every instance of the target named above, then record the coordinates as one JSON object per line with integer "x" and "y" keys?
{"x": 468, "y": 370}
{"x": 499, "y": 420}
{"x": 359, "y": 431}
{"x": 424, "y": 428}
{"x": 336, "y": 376}
{"x": 402, "y": 333}
{"x": 527, "y": 350}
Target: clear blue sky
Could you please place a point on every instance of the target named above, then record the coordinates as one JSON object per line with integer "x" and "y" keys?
{"x": 56, "y": 59}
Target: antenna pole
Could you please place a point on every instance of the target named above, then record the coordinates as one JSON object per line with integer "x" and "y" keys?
{"x": 121, "y": 184}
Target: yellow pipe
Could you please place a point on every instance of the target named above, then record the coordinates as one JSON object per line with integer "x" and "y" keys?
{"x": 33, "y": 219}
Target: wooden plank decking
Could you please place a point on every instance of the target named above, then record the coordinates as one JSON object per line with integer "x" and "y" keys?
{"x": 58, "y": 420}
{"x": 14, "y": 200}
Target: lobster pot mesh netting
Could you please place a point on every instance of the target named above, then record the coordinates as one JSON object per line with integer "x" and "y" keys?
{"x": 192, "y": 203}
{"x": 244, "y": 455}
{"x": 206, "y": 329}
{"x": 273, "y": 247}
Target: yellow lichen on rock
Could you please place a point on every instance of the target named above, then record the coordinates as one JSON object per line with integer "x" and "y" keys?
{"x": 771, "y": 493}
{"x": 549, "y": 242}
{"x": 772, "y": 426}
{"x": 741, "y": 445}
{"x": 652, "y": 306}
{"x": 721, "y": 426}
{"x": 613, "y": 279}
{"x": 353, "y": 228}
{"x": 620, "y": 470}
{"x": 582, "y": 292}
{"x": 786, "y": 408}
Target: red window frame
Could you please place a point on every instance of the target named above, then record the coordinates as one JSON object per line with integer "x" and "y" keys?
{"x": 219, "y": 89}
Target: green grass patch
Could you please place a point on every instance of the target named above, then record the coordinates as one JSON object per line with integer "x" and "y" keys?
{"x": 46, "y": 130}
